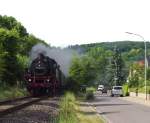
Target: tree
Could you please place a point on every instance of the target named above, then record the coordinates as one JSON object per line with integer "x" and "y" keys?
{"x": 26, "y": 43}
{"x": 117, "y": 66}
{"x": 136, "y": 75}
{"x": 1, "y": 61}
{"x": 9, "y": 40}
{"x": 82, "y": 70}
{"x": 15, "y": 45}
{"x": 10, "y": 23}
{"x": 90, "y": 68}
{"x": 79, "y": 69}
{"x": 102, "y": 65}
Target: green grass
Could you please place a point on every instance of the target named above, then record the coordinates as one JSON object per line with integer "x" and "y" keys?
{"x": 11, "y": 92}
{"x": 88, "y": 115}
{"x": 68, "y": 109}
{"x": 72, "y": 112}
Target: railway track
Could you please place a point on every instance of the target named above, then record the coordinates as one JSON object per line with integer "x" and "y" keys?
{"x": 10, "y": 106}
{"x": 2, "y": 102}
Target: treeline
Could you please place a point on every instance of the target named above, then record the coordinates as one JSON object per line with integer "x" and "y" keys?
{"x": 100, "y": 63}
{"x": 15, "y": 45}
{"x": 99, "y": 66}
{"x": 131, "y": 50}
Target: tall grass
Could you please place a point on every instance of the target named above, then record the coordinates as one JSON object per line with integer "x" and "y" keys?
{"x": 68, "y": 109}
{"x": 11, "y": 92}
{"x": 72, "y": 112}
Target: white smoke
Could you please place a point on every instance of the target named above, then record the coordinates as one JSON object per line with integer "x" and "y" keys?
{"x": 62, "y": 56}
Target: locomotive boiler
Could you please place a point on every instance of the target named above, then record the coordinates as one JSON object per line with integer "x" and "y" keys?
{"x": 43, "y": 76}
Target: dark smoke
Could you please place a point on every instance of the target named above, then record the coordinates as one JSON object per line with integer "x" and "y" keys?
{"x": 62, "y": 56}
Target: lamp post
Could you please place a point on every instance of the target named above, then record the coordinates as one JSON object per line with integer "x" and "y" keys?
{"x": 145, "y": 61}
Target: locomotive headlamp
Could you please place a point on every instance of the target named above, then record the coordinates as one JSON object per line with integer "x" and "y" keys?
{"x": 29, "y": 80}
{"x": 47, "y": 80}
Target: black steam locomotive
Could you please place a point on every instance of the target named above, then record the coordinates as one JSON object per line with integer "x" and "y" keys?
{"x": 44, "y": 76}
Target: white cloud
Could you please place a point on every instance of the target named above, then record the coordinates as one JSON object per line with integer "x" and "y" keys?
{"x": 63, "y": 22}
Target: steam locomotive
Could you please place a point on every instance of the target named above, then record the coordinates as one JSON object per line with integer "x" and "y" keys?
{"x": 44, "y": 76}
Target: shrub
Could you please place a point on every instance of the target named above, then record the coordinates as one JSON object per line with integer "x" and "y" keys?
{"x": 90, "y": 93}
{"x": 71, "y": 85}
{"x": 125, "y": 90}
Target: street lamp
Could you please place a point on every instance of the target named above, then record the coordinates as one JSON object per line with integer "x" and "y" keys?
{"x": 145, "y": 61}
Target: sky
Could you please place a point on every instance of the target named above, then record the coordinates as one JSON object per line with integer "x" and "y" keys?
{"x": 69, "y": 22}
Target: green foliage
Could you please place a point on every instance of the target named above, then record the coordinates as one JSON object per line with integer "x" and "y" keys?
{"x": 27, "y": 43}
{"x": 140, "y": 89}
{"x": 9, "y": 40}
{"x": 82, "y": 70}
{"x": 136, "y": 75}
{"x": 71, "y": 85}
{"x": 148, "y": 73}
{"x": 2, "y": 66}
{"x": 117, "y": 66}
{"x": 89, "y": 68}
{"x": 90, "y": 93}
{"x": 68, "y": 109}
{"x": 11, "y": 23}
{"x": 11, "y": 92}
{"x": 125, "y": 90}
{"x": 99, "y": 55}
{"x": 131, "y": 50}
{"x": 15, "y": 45}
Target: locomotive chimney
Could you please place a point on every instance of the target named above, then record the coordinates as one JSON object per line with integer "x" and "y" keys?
{"x": 40, "y": 55}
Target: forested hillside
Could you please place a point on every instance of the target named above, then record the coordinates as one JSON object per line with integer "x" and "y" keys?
{"x": 132, "y": 50}
{"x": 124, "y": 46}
{"x": 109, "y": 63}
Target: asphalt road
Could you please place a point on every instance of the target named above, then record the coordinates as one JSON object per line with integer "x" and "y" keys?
{"x": 116, "y": 110}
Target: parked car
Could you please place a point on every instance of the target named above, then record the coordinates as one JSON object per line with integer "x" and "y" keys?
{"x": 117, "y": 91}
{"x": 100, "y": 87}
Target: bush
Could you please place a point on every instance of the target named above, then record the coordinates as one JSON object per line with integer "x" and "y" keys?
{"x": 125, "y": 90}
{"x": 90, "y": 93}
{"x": 71, "y": 85}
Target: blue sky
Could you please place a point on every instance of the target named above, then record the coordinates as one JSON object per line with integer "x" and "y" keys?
{"x": 66, "y": 22}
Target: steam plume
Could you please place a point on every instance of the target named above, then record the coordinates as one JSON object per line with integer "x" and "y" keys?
{"x": 62, "y": 56}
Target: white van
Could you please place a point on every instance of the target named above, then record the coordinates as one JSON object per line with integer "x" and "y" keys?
{"x": 100, "y": 87}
